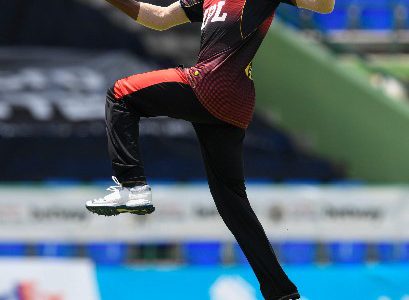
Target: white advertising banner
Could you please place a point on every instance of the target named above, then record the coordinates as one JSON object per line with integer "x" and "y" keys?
{"x": 188, "y": 212}
{"x": 47, "y": 279}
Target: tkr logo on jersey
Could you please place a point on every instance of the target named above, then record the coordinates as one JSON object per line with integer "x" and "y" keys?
{"x": 214, "y": 13}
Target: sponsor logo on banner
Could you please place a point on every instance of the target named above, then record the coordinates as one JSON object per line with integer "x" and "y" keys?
{"x": 319, "y": 213}
{"x": 347, "y": 212}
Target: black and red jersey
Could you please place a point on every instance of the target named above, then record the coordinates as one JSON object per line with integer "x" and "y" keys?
{"x": 232, "y": 32}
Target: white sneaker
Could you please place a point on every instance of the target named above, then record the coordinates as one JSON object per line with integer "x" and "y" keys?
{"x": 136, "y": 200}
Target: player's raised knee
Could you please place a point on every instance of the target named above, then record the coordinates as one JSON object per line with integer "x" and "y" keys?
{"x": 116, "y": 92}
{"x": 110, "y": 95}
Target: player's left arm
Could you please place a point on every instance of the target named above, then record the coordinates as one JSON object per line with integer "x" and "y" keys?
{"x": 152, "y": 16}
{"x": 320, "y": 6}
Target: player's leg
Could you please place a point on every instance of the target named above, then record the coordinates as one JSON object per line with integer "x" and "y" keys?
{"x": 221, "y": 147}
{"x": 157, "y": 93}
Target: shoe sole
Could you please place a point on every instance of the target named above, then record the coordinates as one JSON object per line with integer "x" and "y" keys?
{"x": 291, "y": 297}
{"x": 116, "y": 210}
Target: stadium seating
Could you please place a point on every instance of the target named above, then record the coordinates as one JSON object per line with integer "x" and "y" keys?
{"x": 215, "y": 253}
{"x": 392, "y": 252}
{"x": 239, "y": 256}
{"x": 347, "y": 252}
{"x": 352, "y": 14}
{"x": 403, "y": 252}
{"x": 56, "y": 250}
{"x": 12, "y": 249}
{"x": 203, "y": 252}
{"x": 297, "y": 252}
{"x": 386, "y": 252}
{"x": 91, "y": 29}
{"x": 107, "y": 253}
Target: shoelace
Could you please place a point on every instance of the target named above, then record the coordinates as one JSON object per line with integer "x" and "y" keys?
{"x": 114, "y": 188}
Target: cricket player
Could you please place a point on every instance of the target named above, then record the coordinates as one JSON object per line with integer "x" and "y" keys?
{"x": 217, "y": 96}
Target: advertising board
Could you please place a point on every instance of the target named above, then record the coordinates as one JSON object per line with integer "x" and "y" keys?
{"x": 186, "y": 212}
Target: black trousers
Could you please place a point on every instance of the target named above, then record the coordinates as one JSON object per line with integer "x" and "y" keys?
{"x": 148, "y": 95}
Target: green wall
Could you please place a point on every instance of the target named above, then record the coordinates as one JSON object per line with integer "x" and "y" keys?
{"x": 312, "y": 95}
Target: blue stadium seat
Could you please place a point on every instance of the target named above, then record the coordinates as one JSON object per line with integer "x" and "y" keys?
{"x": 297, "y": 252}
{"x": 290, "y": 15}
{"x": 401, "y": 12}
{"x": 377, "y": 3}
{"x": 12, "y": 249}
{"x": 377, "y": 18}
{"x": 347, "y": 252}
{"x": 107, "y": 253}
{"x": 403, "y": 252}
{"x": 203, "y": 252}
{"x": 400, "y": 2}
{"x": 369, "y": 15}
{"x": 386, "y": 252}
{"x": 56, "y": 250}
{"x": 239, "y": 256}
{"x": 375, "y": 15}
{"x": 337, "y": 20}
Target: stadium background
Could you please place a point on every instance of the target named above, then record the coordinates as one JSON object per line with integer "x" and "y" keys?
{"x": 326, "y": 158}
